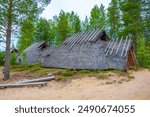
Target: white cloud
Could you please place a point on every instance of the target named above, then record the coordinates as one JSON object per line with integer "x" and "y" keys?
{"x": 81, "y": 7}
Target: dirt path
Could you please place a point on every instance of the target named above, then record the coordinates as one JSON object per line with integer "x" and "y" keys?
{"x": 85, "y": 88}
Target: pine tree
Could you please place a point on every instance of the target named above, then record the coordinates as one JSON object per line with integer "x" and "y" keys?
{"x": 73, "y": 22}
{"x": 98, "y": 17}
{"x": 114, "y": 18}
{"x": 26, "y": 35}
{"x": 62, "y": 27}
{"x": 132, "y": 20}
{"x": 85, "y": 24}
{"x": 42, "y": 31}
{"x": 146, "y": 20}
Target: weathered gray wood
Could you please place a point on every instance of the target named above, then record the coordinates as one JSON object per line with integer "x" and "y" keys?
{"x": 126, "y": 50}
{"x": 124, "y": 46}
{"x": 114, "y": 46}
{"x": 110, "y": 46}
{"x": 37, "y": 80}
{"x": 88, "y": 36}
{"x": 97, "y": 34}
{"x": 19, "y": 85}
{"x": 119, "y": 45}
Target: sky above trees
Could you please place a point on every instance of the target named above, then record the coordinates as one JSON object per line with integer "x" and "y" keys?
{"x": 81, "y": 7}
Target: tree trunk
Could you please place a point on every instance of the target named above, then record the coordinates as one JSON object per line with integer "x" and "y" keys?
{"x": 8, "y": 42}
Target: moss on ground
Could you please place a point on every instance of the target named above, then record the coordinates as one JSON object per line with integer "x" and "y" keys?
{"x": 64, "y": 74}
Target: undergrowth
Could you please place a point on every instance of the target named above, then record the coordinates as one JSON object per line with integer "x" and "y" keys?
{"x": 64, "y": 74}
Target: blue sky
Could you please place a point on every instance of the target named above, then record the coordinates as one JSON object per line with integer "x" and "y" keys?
{"x": 81, "y": 7}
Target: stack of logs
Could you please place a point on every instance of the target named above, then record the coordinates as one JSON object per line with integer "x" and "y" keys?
{"x": 33, "y": 82}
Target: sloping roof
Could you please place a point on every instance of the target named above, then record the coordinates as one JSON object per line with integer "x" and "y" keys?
{"x": 90, "y": 50}
{"x": 120, "y": 47}
{"x": 34, "y": 52}
{"x": 83, "y": 37}
{"x": 14, "y": 50}
{"x": 35, "y": 46}
{"x": 48, "y": 51}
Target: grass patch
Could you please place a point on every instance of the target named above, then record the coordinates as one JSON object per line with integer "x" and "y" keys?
{"x": 120, "y": 73}
{"x": 102, "y": 76}
{"x": 66, "y": 73}
{"x": 59, "y": 78}
{"x": 130, "y": 77}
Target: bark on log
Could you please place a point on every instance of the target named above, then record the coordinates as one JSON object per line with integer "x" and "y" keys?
{"x": 19, "y": 85}
{"x": 37, "y": 80}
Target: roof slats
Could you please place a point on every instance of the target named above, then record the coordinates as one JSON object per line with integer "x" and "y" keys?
{"x": 109, "y": 48}
{"x": 124, "y": 46}
{"x": 76, "y": 38}
{"x": 82, "y": 37}
{"x": 88, "y": 36}
{"x": 126, "y": 50}
{"x": 93, "y": 35}
{"x": 114, "y": 46}
{"x": 119, "y": 45}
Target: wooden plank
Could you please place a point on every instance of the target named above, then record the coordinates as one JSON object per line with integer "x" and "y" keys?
{"x": 114, "y": 46}
{"x": 119, "y": 45}
{"x": 133, "y": 57}
{"x": 93, "y": 35}
{"x": 110, "y": 47}
{"x": 88, "y": 36}
{"x": 25, "y": 84}
{"x": 97, "y": 34}
{"x": 81, "y": 38}
{"x": 124, "y": 46}
{"x": 126, "y": 50}
{"x": 85, "y": 38}
{"x": 37, "y": 80}
{"x": 76, "y": 38}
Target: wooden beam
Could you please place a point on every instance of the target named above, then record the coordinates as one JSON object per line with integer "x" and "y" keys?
{"x": 37, "y": 80}
{"x": 133, "y": 57}
{"x": 20, "y": 85}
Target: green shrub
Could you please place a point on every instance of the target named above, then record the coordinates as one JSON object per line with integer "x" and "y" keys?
{"x": 66, "y": 73}
{"x": 143, "y": 55}
{"x": 2, "y": 58}
{"x": 24, "y": 60}
{"x": 13, "y": 58}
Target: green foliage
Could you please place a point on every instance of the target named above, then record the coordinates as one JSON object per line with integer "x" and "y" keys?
{"x": 53, "y": 30}
{"x": 85, "y": 24}
{"x": 2, "y": 57}
{"x": 131, "y": 17}
{"x": 42, "y": 32}
{"x": 143, "y": 54}
{"x": 26, "y": 34}
{"x": 74, "y": 23}
{"x": 66, "y": 73}
{"x": 146, "y": 20}
{"x": 113, "y": 18}
{"x": 98, "y": 17}
{"x": 24, "y": 60}
{"x": 62, "y": 27}
{"x": 13, "y": 59}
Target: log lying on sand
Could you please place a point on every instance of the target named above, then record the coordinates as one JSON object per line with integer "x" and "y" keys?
{"x": 25, "y": 84}
{"x": 37, "y": 80}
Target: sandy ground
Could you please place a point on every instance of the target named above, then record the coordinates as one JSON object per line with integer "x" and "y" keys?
{"x": 85, "y": 88}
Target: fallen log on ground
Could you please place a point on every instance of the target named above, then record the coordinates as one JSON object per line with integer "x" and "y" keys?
{"x": 19, "y": 85}
{"x": 37, "y": 80}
